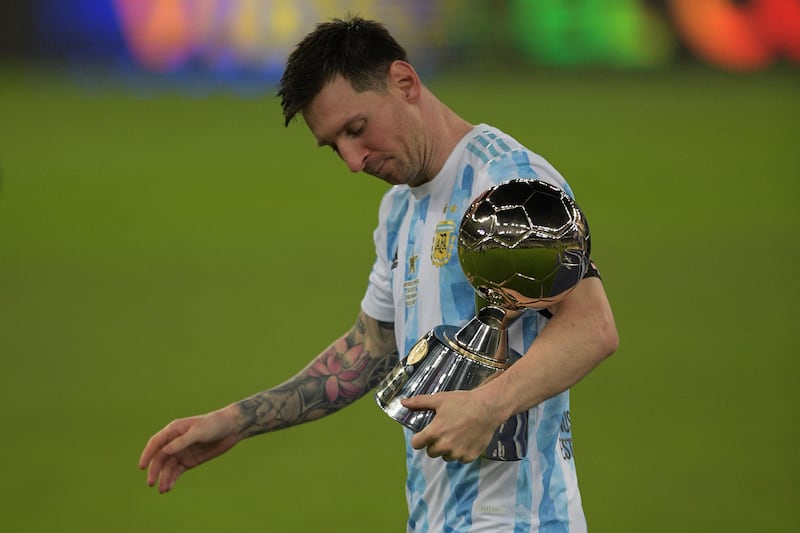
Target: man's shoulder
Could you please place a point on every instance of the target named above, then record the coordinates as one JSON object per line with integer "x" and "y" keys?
{"x": 498, "y": 156}
{"x": 491, "y": 142}
{"x": 394, "y": 202}
{"x": 395, "y": 194}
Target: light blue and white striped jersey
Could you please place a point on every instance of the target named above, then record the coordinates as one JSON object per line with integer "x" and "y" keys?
{"x": 417, "y": 283}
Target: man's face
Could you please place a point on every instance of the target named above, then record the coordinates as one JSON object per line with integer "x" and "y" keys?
{"x": 371, "y": 131}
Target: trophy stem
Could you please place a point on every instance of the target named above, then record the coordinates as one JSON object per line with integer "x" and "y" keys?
{"x": 485, "y": 335}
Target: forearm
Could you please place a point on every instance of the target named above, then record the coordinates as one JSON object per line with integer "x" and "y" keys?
{"x": 345, "y": 371}
{"x": 580, "y": 336}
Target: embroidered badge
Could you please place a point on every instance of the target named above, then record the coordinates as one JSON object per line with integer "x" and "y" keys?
{"x": 412, "y": 264}
{"x": 444, "y": 241}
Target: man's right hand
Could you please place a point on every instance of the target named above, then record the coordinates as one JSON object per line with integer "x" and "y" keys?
{"x": 186, "y": 443}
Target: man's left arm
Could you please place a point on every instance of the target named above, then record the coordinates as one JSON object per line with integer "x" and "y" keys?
{"x": 579, "y": 336}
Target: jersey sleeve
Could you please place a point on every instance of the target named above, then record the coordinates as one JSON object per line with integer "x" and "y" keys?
{"x": 378, "y": 301}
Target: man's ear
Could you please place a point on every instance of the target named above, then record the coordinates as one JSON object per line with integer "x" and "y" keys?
{"x": 403, "y": 77}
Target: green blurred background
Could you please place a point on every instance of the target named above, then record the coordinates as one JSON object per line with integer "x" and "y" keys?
{"x": 164, "y": 255}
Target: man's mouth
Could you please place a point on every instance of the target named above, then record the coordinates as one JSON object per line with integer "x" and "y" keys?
{"x": 377, "y": 171}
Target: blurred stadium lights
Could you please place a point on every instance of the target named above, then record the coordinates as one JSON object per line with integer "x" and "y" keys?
{"x": 730, "y": 34}
{"x": 740, "y": 35}
{"x": 235, "y": 42}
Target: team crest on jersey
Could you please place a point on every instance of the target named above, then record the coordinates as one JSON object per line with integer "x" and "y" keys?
{"x": 444, "y": 242}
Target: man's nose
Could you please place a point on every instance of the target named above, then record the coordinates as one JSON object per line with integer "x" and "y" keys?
{"x": 353, "y": 155}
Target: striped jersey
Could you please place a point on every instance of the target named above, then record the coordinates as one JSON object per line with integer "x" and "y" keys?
{"x": 417, "y": 283}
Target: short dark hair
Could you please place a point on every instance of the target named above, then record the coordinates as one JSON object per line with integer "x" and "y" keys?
{"x": 360, "y": 50}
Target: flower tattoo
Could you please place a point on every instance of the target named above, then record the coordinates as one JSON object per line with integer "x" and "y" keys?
{"x": 340, "y": 368}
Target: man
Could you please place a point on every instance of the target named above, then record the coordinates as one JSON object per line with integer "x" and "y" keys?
{"x": 356, "y": 91}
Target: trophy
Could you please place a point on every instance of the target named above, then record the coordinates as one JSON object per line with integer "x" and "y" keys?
{"x": 522, "y": 244}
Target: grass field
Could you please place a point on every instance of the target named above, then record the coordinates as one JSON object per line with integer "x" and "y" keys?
{"x": 159, "y": 258}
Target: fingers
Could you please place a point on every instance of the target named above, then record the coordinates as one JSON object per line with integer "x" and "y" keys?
{"x": 450, "y": 456}
{"x": 442, "y": 448}
{"x": 170, "y": 474}
{"x": 435, "y": 446}
{"x": 153, "y": 445}
{"x": 179, "y": 443}
{"x": 164, "y": 471}
{"x": 421, "y": 402}
{"x": 159, "y": 440}
{"x": 155, "y": 466}
{"x": 163, "y": 468}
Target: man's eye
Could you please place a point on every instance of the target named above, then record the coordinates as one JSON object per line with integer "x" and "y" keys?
{"x": 358, "y": 130}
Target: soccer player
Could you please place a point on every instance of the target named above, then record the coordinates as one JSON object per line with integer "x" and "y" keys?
{"x": 353, "y": 86}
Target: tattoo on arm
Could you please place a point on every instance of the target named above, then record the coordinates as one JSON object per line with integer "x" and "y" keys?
{"x": 345, "y": 371}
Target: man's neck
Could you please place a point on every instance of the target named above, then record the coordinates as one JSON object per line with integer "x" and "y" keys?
{"x": 445, "y": 131}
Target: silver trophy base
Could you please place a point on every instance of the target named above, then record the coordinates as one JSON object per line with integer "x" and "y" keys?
{"x": 440, "y": 362}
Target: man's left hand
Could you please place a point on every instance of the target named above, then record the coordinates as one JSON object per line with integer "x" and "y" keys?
{"x": 462, "y": 428}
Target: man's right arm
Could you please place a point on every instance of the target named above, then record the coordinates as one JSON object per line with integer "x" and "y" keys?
{"x": 345, "y": 371}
